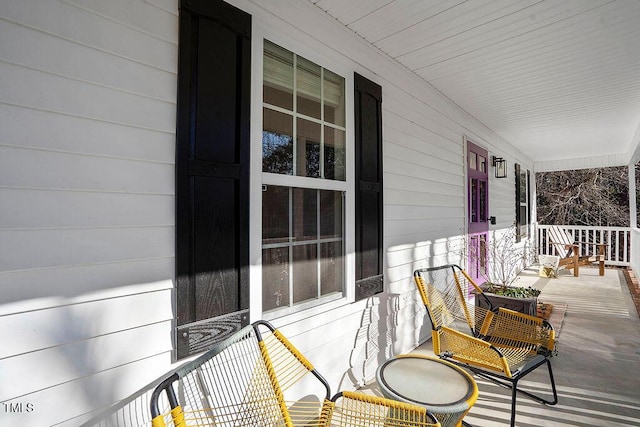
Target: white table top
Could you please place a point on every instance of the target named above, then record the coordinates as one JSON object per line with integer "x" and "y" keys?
{"x": 426, "y": 381}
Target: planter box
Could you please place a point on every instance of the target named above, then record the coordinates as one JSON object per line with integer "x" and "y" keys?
{"x": 523, "y": 305}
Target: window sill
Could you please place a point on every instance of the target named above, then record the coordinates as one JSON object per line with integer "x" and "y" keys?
{"x": 303, "y": 311}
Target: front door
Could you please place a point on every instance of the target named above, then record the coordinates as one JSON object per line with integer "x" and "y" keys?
{"x": 478, "y": 202}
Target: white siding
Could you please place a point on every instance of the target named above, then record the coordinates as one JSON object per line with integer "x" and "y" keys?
{"x": 87, "y": 112}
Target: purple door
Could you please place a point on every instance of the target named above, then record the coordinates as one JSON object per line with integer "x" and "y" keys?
{"x": 478, "y": 202}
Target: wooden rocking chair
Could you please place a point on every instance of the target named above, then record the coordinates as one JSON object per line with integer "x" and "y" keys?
{"x": 568, "y": 250}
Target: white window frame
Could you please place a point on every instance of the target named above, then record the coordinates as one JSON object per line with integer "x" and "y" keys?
{"x": 326, "y": 58}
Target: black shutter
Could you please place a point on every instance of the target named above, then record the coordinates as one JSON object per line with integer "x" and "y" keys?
{"x": 529, "y": 197}
{"x": 212, "y": 173}
{"x": 519, "y": 219}
{"x": 369, "y": 203}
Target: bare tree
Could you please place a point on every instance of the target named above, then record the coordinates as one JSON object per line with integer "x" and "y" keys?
{"x": 594, "y": 197}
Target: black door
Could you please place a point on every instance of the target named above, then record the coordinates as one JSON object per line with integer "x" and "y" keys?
{"x": 369, "y": 202}
{"x": 212, "y": 173}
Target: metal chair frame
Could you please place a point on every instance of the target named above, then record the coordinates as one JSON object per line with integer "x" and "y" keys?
{"x": 507, "y": 345}
{"x": 273, "y": 368}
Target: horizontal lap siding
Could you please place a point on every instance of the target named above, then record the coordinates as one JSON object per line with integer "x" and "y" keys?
{"x": 87, "y": 191}
{"x": 424, "y": 198}
{"x": 36, "y": 289}
{"x": 346, "y": 345}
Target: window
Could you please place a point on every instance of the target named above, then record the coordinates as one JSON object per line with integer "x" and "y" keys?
{"x": 303, "y": 117}
{"x": 302, "y": 219}
{"x": 523, "y": 202}
{"x": 302, "y": 245}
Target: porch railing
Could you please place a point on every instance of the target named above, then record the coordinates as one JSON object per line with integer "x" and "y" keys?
{"x": 618, "y": 240}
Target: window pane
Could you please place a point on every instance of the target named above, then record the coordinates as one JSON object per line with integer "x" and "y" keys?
{"x": 330, "y": 214}
{"x": 474, "y": 255}
{"x": 308, "y": 148}
{"x": 334, "y": 154}
{"x": 473, "y": 161}
{"x": 523, "y": 220}
{"x": 482, "y": 267}
{"x": 275, "y": 214}
{"x": 473, "y": 203}
{"x": 483, "y": 201}
{"x": 277, "y": 142}
{"x": 313, "y": 273}
{"x": 308, "y": 88}
{"x": 333, "y": 98}
{"x": 275, "y": 278}
{"x": 482, "y": 164}
{"x": 523, "y": 189}
{"x": 331, "y": 264}
{"x": 278, "y": 76}
{"x": 320, "y": 94}
{"x": 305, "y": 273}
{"x": 305, "y": 214}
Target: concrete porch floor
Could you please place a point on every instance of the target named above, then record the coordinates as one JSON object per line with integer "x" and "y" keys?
{"x": 597, "y": 369}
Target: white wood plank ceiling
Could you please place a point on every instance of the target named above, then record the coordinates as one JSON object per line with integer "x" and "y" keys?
{"x": 559, "y": 79}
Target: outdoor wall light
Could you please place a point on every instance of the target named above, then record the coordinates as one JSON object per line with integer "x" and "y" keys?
{"x": 501, "y": 166}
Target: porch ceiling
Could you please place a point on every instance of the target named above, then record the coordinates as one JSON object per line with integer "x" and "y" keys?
{"x": 559, "y": 79}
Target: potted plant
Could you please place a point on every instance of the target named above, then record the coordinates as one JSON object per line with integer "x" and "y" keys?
{"x": 506, "y": 259}
{"x": 521, "y": 299}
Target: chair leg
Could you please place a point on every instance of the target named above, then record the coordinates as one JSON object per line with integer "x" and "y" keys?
{"x": 513, "y": 384}
{"x": 601, "y": 260}
{"x": 514, "y": 391}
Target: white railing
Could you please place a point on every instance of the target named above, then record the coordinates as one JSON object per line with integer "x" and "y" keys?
{"x": 618, "y": 240}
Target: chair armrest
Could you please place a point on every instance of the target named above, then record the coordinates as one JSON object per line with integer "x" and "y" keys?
{"x": 602, "y": 247}
{"x": 356, "y": 409}
{"x": 565, "y": 245}
{"x": 570, "y": 248}
{"x": 517, "y": 316}
{"x": 467, "y": 349}
{"x": 284, "y": 360}
{"x": 562, "y": 243}
{"x": 513, "y": 325}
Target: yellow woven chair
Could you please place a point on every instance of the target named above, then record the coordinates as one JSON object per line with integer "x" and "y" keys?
{"x": 228, "y": 385}
{"x": 258, "y": 378}
{"x": 500, "y": 345}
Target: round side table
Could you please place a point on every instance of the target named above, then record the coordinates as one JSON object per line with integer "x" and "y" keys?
{"x": 445, "y": 389}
